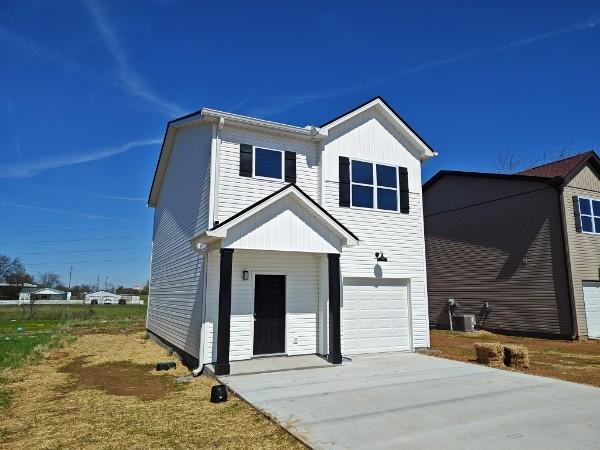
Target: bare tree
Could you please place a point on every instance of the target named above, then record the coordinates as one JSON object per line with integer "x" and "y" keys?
{"x": 48, "y": 279}
{"x": 508, "y": 161}
{"x": 5, "y": 267}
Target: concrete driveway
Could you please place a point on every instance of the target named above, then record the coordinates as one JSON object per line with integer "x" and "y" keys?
{"x": 406, "y": 400}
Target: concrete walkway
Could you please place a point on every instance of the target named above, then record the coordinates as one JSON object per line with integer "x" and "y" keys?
{"x": 412, "y": 401}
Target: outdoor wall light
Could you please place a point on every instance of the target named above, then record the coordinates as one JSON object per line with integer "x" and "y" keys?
{"x": 245, "y": 275}
{"x": 379, "y": 257}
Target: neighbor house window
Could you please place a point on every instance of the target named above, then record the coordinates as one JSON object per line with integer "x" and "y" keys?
{"x": 590, "y": 215}
{"x": 268, "y": 163}
{"x": 374, "y": 186}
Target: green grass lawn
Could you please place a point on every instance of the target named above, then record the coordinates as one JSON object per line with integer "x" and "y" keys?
{"x": 22, "y": 338}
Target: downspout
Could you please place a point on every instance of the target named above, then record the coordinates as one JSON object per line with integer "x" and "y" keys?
{"x": 204, "y": 254}
{"x": 565, "y": 240}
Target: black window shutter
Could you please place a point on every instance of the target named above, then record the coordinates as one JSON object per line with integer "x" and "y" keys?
{"x": 403, "y": 186}
{"x": 290, "y": 167}
{"x": 245, "y": 160}
{"x": 577, "y": 213}
{"x": 344, "y": 184}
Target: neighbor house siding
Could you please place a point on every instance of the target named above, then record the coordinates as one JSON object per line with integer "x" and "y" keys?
{"x": 302, "y": 300}
{"x": 370, "y": 137}
{"x": 176, "y": 280}
{"x": 497, "y": 241}
{"x": 236, "y": 192}
{"x": 584, "y": 249}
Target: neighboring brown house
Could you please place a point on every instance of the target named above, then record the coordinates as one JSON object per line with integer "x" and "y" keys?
{"x": 521, "y": 252}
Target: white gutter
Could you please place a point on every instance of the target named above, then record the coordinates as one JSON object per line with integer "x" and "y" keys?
{"x": 311, "y": 132}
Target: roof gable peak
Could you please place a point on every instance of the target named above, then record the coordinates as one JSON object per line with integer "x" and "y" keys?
{"x": 394, "y": 118}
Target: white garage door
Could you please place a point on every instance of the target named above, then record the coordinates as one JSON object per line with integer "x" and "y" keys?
{"x": 375, "y": 316}
{"x": 591, "y": 298}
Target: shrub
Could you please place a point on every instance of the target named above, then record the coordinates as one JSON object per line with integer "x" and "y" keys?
{"x": 490, "y": 353}
{"x": 516, "y": 356}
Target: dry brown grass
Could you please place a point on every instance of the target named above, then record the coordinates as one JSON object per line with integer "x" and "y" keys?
{"x": 566, "y": 360}
{"x": 57, "y": 408}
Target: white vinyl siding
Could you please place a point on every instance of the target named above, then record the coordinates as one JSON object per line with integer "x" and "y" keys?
{"x": 286, "y": 225}
{"x": 369, "y": 137}
{"x": 175, "y": 299}
{"x": 375, "y": 316}
{"x": 591, "y": 298}
{"x": 236, "y": 193}
{"x": 302, "y": 299}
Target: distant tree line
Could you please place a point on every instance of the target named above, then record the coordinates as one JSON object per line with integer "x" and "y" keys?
{"x": 14, "y": 275}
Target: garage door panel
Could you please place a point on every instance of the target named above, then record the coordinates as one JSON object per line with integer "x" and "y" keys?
{"x": 375, "y": 316}
{"x": 591, "y": 297}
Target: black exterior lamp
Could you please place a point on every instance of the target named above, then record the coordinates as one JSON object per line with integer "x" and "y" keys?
{"x": 379, "y": 257}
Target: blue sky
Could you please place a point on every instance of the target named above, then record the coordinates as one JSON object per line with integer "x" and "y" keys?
{"x": 86, "y": 88}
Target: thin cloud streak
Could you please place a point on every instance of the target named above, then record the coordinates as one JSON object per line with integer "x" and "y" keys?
{"x": 282, "y": 104}
{"x": 120, "y": 197}
{"x": 126, "y": 79}
{"x": 36, "y": 167}
{"x": 64, "y": 212}
{"x": 131, "y": 80}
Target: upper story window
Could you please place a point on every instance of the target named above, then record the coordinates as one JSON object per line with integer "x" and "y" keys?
{"x": 374, "y": 186}
{"x": 589, "y": 209}
{"x": 268, "y": 163}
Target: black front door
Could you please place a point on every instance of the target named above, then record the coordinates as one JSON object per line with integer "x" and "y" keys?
{"x": 269, "y": 314}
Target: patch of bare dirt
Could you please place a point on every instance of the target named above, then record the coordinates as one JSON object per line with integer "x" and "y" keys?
{"x": 100, "y": 392}
{"x": 118, "y": 378}
{"x": 567, "y": 360}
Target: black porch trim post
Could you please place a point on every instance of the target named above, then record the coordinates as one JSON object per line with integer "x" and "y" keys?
{"x": 335, "y": 338}
{"x": 222, "y": 365}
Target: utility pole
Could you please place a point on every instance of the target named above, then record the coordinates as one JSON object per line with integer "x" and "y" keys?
{"x": 98, "y": 283}
{"x": 70, "y": 275}
{"x": 106, "y": 283}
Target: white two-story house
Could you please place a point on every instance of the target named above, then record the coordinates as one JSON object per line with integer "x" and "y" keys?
{"x": 272, "y": 239}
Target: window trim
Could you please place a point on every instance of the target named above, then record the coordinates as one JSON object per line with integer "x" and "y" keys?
{"x": 592, "y": 215}
{"x": 375, "y": 186}
{"x": 262, "y": 177}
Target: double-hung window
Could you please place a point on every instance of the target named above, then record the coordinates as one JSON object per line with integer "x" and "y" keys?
{"x": 589, "y": 210}
{"x": 374, "y": 186}
{"x": 268, "y": 163}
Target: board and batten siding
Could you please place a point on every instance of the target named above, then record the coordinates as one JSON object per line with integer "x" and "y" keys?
{"x": 497, "y": 241}
{"x": 236, "y": 193}
{"x": 286, "y": 225}
{"x": 302, "y": 300}
{"x": 370, "y": 137}
{"x": 176, "y": 280}
{"x": 584, "y": 249}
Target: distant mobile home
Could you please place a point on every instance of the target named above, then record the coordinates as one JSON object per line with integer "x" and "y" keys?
{"x": 40, "y": 293}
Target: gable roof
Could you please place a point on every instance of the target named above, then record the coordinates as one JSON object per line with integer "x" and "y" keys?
{"x": 564, "y": 168}
{"x": 390, "y": 113}
{"x": 220, "y": 230}
{"x": 501, "y": 176}
{"x": 46, "y": 290}
{"x": 103, "y": 293}
{"x": 556, "y": 173}
{"x": 309, "y": 132}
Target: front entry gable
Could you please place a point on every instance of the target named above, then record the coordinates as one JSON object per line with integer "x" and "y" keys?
{"x": 288, "y": 220}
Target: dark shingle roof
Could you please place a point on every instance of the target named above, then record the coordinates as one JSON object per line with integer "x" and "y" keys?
{"x": 561, "y": 168}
